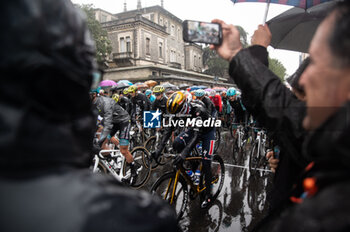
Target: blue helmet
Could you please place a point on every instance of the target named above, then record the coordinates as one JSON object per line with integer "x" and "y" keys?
{"x": 148, "y": 92}
{"x": 199, "y": 93}
{"x": 231, "y": 92}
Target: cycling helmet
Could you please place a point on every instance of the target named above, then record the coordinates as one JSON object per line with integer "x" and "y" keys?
{"x": 125, "y": 91}
{"x": 148, "y": 92}
{"x": 132, "y": 89}
{"x": 115, "y": 97}
{"x": 231, "y": 92}
{"x": 199, "y": 93}
{"x": 179, "y": 102}
{"x": 158, "y": 89}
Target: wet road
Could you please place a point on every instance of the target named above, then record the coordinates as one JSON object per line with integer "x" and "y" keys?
{"x": 241, "y": 202}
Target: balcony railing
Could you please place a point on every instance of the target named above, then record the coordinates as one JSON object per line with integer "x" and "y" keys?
{"x": 122, "y": 55}
{"x": 175, "y": 65}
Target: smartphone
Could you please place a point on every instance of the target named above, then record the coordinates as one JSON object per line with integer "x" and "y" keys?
{"x": 202, "y": 32}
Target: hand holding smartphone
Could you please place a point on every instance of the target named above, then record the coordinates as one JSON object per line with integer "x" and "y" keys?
{"x": 202, "y": 32}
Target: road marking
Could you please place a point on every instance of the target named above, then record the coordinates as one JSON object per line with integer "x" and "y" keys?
{"x": 245, "y": 167}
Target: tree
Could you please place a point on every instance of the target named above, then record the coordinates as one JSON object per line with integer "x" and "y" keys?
{"x": 214, "y": 64}
{"x": 102, "y": 43}
{"x": 277, "y": 67}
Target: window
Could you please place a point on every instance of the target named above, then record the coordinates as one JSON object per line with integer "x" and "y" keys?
{"x": 103, "y": 18}
{"x": 172, "y": 56}
{"x": 148, "y": 41}
{"x": 199, "y": 61}
{"x": 172, "y": 32}
{"x": 166, "y": 26}
{"x": 161, "y": 21}
{"x": 152, "y": 17}
{"x": 160, "y": 50}
{"x": 122, "y": 45}
{"x": 128, "y": 44}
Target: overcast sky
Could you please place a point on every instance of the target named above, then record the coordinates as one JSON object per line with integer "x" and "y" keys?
{"x": 247, "y": 15}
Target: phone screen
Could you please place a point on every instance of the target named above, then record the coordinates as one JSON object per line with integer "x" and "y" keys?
{"x": 202, "y": 32}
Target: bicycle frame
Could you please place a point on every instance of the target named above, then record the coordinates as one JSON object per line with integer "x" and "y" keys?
{"x": 114, "y": 154}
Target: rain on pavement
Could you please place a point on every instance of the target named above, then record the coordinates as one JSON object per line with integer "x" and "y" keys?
{"x": 241, "y": 202}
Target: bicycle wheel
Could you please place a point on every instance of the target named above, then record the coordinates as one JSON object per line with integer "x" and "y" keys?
{"x": 151, "y": 145}
{"x": 142, "y": 160}
{"x": 217, "y": 140}
{"x": 256, "y": 159}
{"x": 218, "y": 172}
{"x": 164, "y": 187}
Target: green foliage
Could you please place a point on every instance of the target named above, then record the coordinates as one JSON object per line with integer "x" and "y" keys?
{"x": 215, "y": 65}
{"x": 102, "y": 43}
{"x": 277, "y": 67}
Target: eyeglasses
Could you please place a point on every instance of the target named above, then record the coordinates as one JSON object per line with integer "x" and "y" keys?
{"x": 157, "y": 94}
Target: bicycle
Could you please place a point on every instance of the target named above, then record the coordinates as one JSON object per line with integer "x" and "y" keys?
{"x": 115, "y": 164}
{"x": 257, "y": 158}
{"x": 152, "y": 143}
{"x": 239, "y": 142}
{"x": 138, "y": 135}
{"x": 173, "y": 186}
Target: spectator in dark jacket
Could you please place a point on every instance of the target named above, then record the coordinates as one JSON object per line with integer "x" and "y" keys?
{"x": 47, "y": 130}
{"x": 319, "y": 202}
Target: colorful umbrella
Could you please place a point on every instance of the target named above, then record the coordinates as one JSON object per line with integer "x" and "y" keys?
{"x": 125, "y": 81}
{"x": 151, "y": 83}
{"x": 106, "y": 83}
{"x": 304, "y": 4}
{"x": 167, "y": 85}
{"x": 141, "y": 85}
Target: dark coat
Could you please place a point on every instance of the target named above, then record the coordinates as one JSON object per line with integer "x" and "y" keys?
{"x": 276, "y": 108}
{"x": 47, "y": 127}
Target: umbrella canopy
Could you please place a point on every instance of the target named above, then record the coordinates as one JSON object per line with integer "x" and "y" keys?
{"x": 303, "y": 4}
{"x": 295, "y": 28}
{"x": 195, "y": 87}
{"x": 151, "y": 83}
{"x": 106, "y": 83}
{"x": 220, "y": 89}
{"x": 120, "y": 85}
{"x": 141, "y": 85}
{"x": 125, "y": 81}
{"x": 183, "y": 86}
{"x": 167, "y": 85}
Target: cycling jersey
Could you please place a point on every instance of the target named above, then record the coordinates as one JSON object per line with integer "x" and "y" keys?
{"x": 125, "y": 103}
{"x": 160, "y": 104}
{"x": 112, "y": 113}
{"x": 238, "y": 110}
{"x": 142, "y": 101}
{"x": 209, "y": 105}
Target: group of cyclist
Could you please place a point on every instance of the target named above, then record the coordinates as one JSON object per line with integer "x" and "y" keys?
{"x": 119, "y": 111}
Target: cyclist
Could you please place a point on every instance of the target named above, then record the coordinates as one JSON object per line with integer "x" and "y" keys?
{"x": 200, "y": 95}
{"x": 237, "y": 106}
{"x": 115, "y": 118}
{"x": 150, "y": 96}
{"x": 161, "y": 99}
{"x": 181, "y": 103}
{"x": 124, "y": 101}
{"x": 138, "y": 100}
{"x": 216, "y": 99}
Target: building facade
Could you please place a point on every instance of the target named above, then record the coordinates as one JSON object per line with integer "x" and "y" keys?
{"x": 147, "y": 44}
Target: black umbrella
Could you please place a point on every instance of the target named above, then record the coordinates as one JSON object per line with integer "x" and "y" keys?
{"x": 167, "y": 85}
{"x": 294, "y": 28}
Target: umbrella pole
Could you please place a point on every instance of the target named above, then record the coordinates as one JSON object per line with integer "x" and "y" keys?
{"x": 266, "y": 11}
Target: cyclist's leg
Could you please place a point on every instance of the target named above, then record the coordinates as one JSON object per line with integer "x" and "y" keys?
{"x": 208, "y": 143}
{"x": 181, "y": 141}
{"x": 124, "y": 136}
